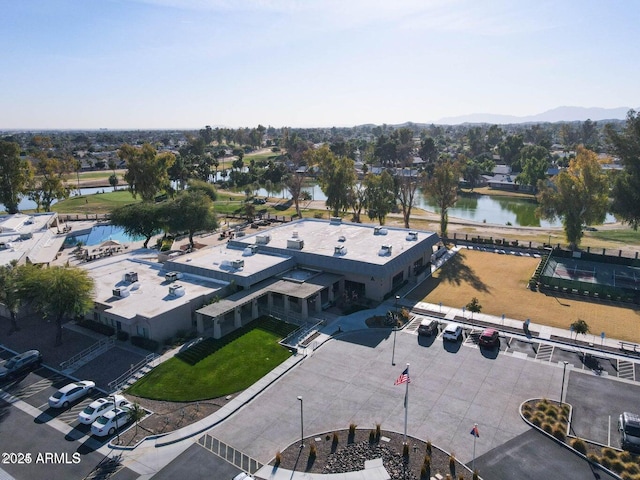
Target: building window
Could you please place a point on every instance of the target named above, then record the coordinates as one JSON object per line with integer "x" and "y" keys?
{"x": 397, "y": 280}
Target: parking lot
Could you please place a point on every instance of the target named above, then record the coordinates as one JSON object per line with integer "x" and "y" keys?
{"x": 350, "y": 379}
{"x": 56, "y": 443}
{"x": 534, "y": 348}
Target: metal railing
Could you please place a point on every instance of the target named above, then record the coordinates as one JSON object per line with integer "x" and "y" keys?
{"x": 116, "y": 384}
{"x": 101, "y": 346}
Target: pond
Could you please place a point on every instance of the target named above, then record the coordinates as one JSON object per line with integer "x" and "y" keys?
{"x": 499, "y": 210}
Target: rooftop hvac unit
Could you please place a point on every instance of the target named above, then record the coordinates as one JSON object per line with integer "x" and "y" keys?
{"x": 339, "y": 250}
{"x": 335, "y": 220}
{"x": 176, "y": 290}
{"x": 294, "y": 234}
{"x": 131, "y": 277}
{"x": 120, "y": 292}
{"x": 380, "y": 231}
{"x": 295, "y": 243}
{"x": 237, "y": 263}
{"x": 385, "y": 250}
{"x": 411, "y": 236}
{"x": 26, "y": 236}
{"x": 250, "y": 250}
{"x": 263, "y": 239}
{"x": 172, "y": 276}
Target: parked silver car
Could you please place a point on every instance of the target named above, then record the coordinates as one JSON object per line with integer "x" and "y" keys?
{"x": 70, "y": 393}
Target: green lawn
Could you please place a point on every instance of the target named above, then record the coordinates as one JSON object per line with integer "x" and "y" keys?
{"x": 232, "y": 368}
{"x": 628, "y": 236}
{"x": 96, "y": 203}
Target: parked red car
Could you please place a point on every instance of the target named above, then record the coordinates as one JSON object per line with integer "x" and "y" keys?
{"x": 489, "y": 338}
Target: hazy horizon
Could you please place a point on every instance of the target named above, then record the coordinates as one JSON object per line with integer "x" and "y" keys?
{"x": 183, "y": 64}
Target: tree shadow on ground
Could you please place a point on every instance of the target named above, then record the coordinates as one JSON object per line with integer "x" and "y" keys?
{"x": 456, "y": 272}
{"x": 368, "y": 338}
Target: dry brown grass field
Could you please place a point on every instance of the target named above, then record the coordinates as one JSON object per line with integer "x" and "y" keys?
{"x": 500, "y": 284}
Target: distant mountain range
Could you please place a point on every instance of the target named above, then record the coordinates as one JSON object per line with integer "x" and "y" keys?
{"x": 559, "y": 114}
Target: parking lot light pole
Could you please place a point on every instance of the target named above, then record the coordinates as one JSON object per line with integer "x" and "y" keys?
{"x": 564, "y": 370}
{"x": 301, "y": 424}
{"x": 116, "y": 419}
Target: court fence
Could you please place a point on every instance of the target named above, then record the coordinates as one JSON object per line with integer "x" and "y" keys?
{"x": 624, "y": 289}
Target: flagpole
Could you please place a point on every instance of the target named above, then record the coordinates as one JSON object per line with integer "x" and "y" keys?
{"x": 473, "y": 462}
{"x": 406, "y": 408}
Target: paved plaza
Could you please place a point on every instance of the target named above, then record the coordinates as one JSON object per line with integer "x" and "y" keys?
{"x": 351, "y": 380}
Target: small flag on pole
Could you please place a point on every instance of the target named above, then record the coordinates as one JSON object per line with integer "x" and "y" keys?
{"x": 403, "y": 378}
{"x": 474, "y": 431}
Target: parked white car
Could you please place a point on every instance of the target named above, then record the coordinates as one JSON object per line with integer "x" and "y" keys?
{"x": 111, "y": 421}
{"x": 70, "y": 393}
{"x": 100, "y": 407}
{"x": 453, "y": 332}
{"x": 243, "y": 476}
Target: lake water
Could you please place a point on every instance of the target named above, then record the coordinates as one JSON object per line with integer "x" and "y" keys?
{"x": 497, "y": 210}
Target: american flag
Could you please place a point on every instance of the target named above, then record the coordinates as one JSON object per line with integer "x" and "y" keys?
{"x": 474, "y": 431}
{"x": 403, "y": 378}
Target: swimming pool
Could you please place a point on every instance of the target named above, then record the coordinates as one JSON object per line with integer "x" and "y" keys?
{"x": 99, "y": 234}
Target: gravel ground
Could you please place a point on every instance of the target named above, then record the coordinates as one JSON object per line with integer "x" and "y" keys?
{"x": 166, "y": 417}
{"x": 349, "y": 454}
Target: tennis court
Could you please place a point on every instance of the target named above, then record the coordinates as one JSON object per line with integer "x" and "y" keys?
{"x": 604, "y": 277}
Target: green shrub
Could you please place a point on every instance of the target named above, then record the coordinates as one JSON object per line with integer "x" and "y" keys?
{"x": 593, "y": 458}
{"x": 632, "y": 468}
{"x": 537, "y": 419}
{"x": 405, "y": 450}
{"x": 278, "y": 458}
{"x": 609, "y": 453}
{"x": 559, "y": 432}
{"x": 313, "y": 451}
{"x": 605, "y": 462}
{"x": 427, "y": 462}
{"x": 146, "y": 343}
{"x": 617, "y": 465}
{"x": 625, "y": 456}
{"x": 335, "y": 438}
{"x": 552, "y": 412}
{"x": 97, "y": 327}
{"x": 429, "y": 447}
{"x": 547, "y": 427}
{"x": 527, "y": 414}
{"x": 452, "y": 462}
{"x": 352, "y": 429}
{"x": 579, "y": 445}
{"x": 476, "y": 475}
{"x": 378, "y": 431}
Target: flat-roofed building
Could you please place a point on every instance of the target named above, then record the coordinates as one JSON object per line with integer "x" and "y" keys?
{"x": 142, "y": 298}
{"x": 292, "y": 271}
{"x": 297, "y": 269}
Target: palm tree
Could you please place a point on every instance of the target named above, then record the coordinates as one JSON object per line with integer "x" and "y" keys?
{"x": 136, "y": 413}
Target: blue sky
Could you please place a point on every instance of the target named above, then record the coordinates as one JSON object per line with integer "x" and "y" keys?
{"x": 309, "y": 63}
